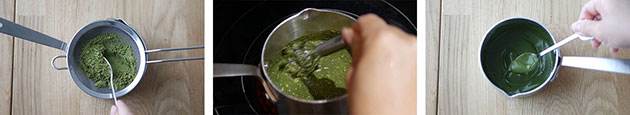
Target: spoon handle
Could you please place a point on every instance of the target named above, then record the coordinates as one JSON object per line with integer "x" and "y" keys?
{"x": 330, "y": 46}
{"x": 565, "y": 41}
{"x": 111, "y": 82}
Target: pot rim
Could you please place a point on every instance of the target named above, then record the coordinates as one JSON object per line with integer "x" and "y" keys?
{"x": 551, "y": 76}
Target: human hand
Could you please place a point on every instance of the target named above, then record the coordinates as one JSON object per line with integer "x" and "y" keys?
{"x": 382, "y": 77}
{"x": 607, "y": 21}
{"x": 120, "y": 109}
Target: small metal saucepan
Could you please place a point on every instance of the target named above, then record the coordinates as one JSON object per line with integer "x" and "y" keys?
{"x": 115, "y": 26}
{"x": 300, "y": 24}
{"x": 486, "y": 53}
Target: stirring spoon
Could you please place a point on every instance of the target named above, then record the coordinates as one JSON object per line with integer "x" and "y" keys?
{"x": 111, "y": 82}
{"x": 330, "y": 46}
{"x": 565, "y": 41}
{"x": 526, "y": 62}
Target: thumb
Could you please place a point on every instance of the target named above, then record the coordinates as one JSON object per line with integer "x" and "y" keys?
{"x": 347, "y": 34}
{"x": 586, "y": 27}
{"x": 113, "y": 110}
{"x": 122, "y": 108}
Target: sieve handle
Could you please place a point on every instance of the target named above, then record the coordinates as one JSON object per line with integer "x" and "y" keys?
{"x": 52, "y": 63}
{"x": 174, "y": 49}
{"x": 19, "y": 31}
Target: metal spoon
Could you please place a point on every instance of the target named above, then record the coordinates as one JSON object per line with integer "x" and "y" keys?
{"x": 565, "y": 41}
{"x": 526, "y": 61}
{"x": 330, "y": 46}
{"x": 310, "y": 56}
{"x": 111, "y": 82}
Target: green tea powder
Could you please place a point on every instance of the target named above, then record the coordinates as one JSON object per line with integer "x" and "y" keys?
{"x": 118, "y": 53}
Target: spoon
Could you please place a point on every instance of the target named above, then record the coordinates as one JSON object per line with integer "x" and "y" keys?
{"x": 565, "y": 41}
{"x": 526, "y": 62}
{"x": 330, "y": 46}
{"x": 111, "y": 82}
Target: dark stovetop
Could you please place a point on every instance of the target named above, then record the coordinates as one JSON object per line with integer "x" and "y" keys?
{"x": 240, "y": 30}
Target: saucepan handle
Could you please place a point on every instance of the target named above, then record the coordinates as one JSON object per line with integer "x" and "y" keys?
{"x": 52, "y": 62}
{"x": 234, "y": 70}
{"x": 597, "y": 63}
{"x": 173, "y": 49}
{"x": 230, "y": 70}
{"x": 19, "y": 31}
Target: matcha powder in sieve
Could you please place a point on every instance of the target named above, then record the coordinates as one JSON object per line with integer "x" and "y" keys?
{"x": 118, "y": 53}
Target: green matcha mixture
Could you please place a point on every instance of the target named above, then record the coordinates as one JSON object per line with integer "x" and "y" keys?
{"x": 310, "y": 77}
{"x": 118, "y": 53}
{"x": 505, "y": 44}
{"x": 524, "y": 63}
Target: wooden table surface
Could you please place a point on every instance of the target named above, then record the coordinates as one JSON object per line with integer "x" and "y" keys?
{"x": 457, "y": 86}
{"x": 29, "y": 85}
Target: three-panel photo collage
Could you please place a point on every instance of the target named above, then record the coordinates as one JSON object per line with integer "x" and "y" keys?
{"x": 421, "y": 57}
{"x": 315, "y": 57}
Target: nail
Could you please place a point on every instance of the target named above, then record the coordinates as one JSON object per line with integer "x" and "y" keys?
{"x": 345, "y": 30}
{"x": 113, "y": 110}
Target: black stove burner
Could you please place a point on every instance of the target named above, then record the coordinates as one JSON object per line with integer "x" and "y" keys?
{"x": 241, "y": 28}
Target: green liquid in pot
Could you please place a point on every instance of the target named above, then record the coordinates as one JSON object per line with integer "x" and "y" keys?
{"x": 323, "y": 77}
{"x": 525, "y": 62}
{"x": 502, "y": 47}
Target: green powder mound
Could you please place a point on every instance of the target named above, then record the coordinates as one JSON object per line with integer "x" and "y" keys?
{"x": 118, "y": 53}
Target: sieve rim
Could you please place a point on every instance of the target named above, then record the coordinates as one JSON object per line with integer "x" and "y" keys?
{"x": 115, "y": 24}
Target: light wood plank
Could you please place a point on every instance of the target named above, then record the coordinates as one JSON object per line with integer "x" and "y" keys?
{"x": 432, "y": 57}
{"x": 166, "y": 88}
{"x": 7, "y": 11}
{"x": 462, "y": 89}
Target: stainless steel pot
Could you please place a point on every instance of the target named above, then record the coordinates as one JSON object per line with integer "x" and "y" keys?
{"x": 115, "y": 26}
{"x": 593, "y": 63}
{"x": 302, "y": 23}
